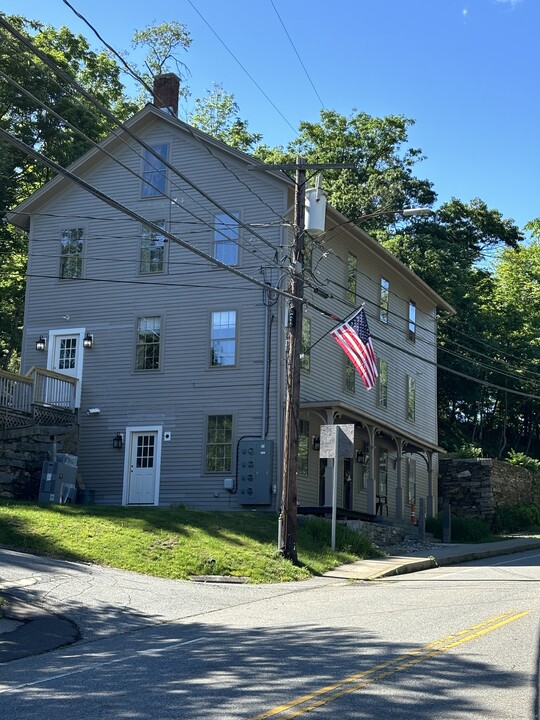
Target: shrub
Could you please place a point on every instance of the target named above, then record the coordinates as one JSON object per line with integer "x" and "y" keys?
{"x": 466, "y": 451}
{"x": 513, "y": 518}
{"x": 347, "y": 540}
{"x": 464, "y": 529}
{"x": 519, "y": 458}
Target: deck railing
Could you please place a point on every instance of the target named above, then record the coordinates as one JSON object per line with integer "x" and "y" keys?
{"x": 37, "y": 387}
{"x": 16, "y": 392}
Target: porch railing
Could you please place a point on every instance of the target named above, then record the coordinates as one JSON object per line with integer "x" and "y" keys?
{"x": 38, "y": 387}
{"x": 16, "y": 392}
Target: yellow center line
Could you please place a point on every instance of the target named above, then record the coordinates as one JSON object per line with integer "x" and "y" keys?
{"x": 378, "y": 672}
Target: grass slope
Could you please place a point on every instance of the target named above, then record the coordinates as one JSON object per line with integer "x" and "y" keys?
{"x": 176, "y": 543}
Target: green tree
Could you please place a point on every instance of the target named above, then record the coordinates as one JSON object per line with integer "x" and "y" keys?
{"x": 163, "y": 43}
{"x": 450, "y": 251}
{"x": 382, "y": 178}
{"x": 517, "y": 300}
{"x": 218, "y": 114}
{"x": 26, "y": 118}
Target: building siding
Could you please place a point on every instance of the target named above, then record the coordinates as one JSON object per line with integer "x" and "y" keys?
{"x": 179, "y": 396}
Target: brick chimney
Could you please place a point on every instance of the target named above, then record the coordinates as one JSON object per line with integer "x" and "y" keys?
{"x": 166, "y": 88}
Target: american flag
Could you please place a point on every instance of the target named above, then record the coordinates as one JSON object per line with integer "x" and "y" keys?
{"x": 354, "y": 338}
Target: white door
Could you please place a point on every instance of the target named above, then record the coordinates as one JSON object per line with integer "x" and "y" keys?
{"x": 143, "y": 464}
{"x": 66, "y": 356}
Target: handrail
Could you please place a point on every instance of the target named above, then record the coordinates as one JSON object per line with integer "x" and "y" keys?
{"x": 13, "y": 376}
{"x": 38, "y": 387}
{"x": 50, "y": 373}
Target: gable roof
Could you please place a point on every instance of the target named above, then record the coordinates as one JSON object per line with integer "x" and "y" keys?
{"x": 20, "y": 216}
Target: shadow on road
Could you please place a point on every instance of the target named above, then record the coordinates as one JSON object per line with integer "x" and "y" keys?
{"x": 195, "y": 670}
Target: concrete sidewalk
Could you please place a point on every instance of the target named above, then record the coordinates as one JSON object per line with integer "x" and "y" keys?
{"x": 437, "y": 555}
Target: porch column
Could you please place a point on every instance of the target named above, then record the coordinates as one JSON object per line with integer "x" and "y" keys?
{"x": 371, "y": 490}
{"x": 399, "y": 486}
{"x": 430, "y": 510}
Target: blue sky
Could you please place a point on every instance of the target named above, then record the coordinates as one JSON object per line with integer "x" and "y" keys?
{"x": 467, "y": 71}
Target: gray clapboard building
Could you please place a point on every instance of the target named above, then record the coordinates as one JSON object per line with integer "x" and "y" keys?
{"x": 180, "y": 364}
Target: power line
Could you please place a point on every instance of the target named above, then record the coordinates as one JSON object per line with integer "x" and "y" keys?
{"x": 118, "y": 206}
{"x": 242, "y": 66}
{"x": 137, "y": 77}
{"x": 115, "y": 159}
{"x": 296, "y": 53}
{"x": 105, "y": 111}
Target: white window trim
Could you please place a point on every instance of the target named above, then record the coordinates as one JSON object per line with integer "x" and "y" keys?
{"x": 236, "y": 339}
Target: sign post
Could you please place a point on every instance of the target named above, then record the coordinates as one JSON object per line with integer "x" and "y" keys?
{"x": 337, "y": 441}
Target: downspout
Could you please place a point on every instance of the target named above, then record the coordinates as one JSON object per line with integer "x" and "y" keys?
{"x": 266, "y": 366}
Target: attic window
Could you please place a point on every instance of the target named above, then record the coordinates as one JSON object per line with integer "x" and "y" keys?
{"x": 155, "y": 171}
{"x": 71, "y": 250}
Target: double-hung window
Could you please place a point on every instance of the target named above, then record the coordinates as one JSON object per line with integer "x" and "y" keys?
{"x": 383, "y": 472}
{"x": 219, "y": 443}
{"x": 382, "y": 384}
{"x": 152, "y": 253}
{"x": 352, "y": 267}
{"x": 148, "y": 343}
{"x": 411, "y": 398}
{"x": 411, "y": 480}
{"x": 350, "y": 376}
{"x": 223, "y": 338}
{"x": 71, "y": 253}
{"x": 412, "y": 321}
{"x": 155, "y": 171}
{"x": 226, "y": 238}
{"x": 303, "y": 448}
{"x": 384, "y": 299}
{"x": 305, "y": 361}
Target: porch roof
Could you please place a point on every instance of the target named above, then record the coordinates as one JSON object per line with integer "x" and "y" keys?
{"x": 357, "y": 415}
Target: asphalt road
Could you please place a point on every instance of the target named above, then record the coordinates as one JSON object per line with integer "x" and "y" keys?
{"x": 458, "y": 642}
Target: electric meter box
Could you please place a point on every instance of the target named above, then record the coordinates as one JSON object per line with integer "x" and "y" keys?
{"x": 255, "y": 466}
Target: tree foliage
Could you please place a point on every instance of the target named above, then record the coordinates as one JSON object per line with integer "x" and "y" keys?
{"x": 218, "y": 114}
{"x": 25, "y": 117}
{"x": 382, "y": 178}
{"x": 163, "y": 43}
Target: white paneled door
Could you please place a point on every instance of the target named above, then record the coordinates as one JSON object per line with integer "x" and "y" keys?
{"x": 143, "y": 467}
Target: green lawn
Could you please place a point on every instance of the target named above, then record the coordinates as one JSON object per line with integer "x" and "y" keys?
{"x": 176, "y": 543}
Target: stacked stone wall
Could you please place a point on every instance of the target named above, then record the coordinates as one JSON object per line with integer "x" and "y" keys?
{"x": 22, "y": 453}
{"x": 474, "y": 487}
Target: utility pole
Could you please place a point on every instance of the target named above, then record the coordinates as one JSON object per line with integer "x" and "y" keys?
{"x": 293, "y": 359}
{"x": 287, "y": 540}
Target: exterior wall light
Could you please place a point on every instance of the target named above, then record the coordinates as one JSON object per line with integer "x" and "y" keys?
{"x": 118, "y": 441}
{"x": 316, "y": 442}
{"x": 41, "y": 344}
{"x": 88, "y": 341}
{"x": 361, "y": 459}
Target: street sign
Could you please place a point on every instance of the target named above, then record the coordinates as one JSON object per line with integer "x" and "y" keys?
{"x": 345, "y": 441}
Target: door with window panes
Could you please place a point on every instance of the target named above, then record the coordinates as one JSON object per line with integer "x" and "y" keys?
{"x": 142, "y": 468}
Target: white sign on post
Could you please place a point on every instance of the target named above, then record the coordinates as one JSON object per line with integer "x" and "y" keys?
{"x": 345, "y": 441}
{"x": 337, "y": 441}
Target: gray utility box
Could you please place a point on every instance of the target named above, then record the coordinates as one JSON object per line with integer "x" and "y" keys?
{"x": 254, "y": 471}
{"x": 58, "y": 482}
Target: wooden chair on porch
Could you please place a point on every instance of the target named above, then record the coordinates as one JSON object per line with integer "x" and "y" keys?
{"x": 382, "y": 502}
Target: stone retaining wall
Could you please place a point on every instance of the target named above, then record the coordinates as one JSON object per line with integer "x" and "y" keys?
{"x": 378, "y": 533}
{"x": 22, "y": 453}
{"x": 476, "y": 486}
